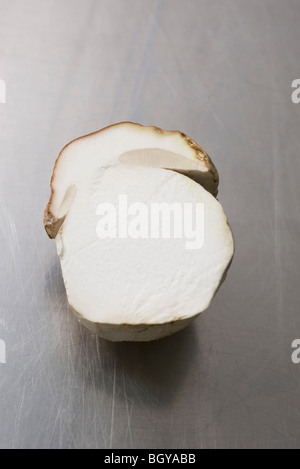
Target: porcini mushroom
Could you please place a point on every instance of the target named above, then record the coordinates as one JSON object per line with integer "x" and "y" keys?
{"x": 131, "y": 285}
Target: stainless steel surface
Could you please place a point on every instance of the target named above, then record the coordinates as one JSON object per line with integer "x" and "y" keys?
{"x": 221, "y": 72}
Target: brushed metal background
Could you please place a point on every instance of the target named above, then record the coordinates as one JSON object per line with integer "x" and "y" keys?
{"x": 221, "y": 71}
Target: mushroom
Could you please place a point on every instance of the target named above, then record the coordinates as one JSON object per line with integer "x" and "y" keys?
{"x": 139, "y": 261}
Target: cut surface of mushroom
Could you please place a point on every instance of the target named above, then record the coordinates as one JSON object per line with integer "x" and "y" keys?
{"x": 125, "y": 280}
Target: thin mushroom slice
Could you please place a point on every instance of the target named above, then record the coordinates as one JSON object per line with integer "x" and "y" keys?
{"x": 128, "y": 143}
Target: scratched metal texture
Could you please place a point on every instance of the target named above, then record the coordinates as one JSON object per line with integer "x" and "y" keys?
{"x": 221, "y": 71}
